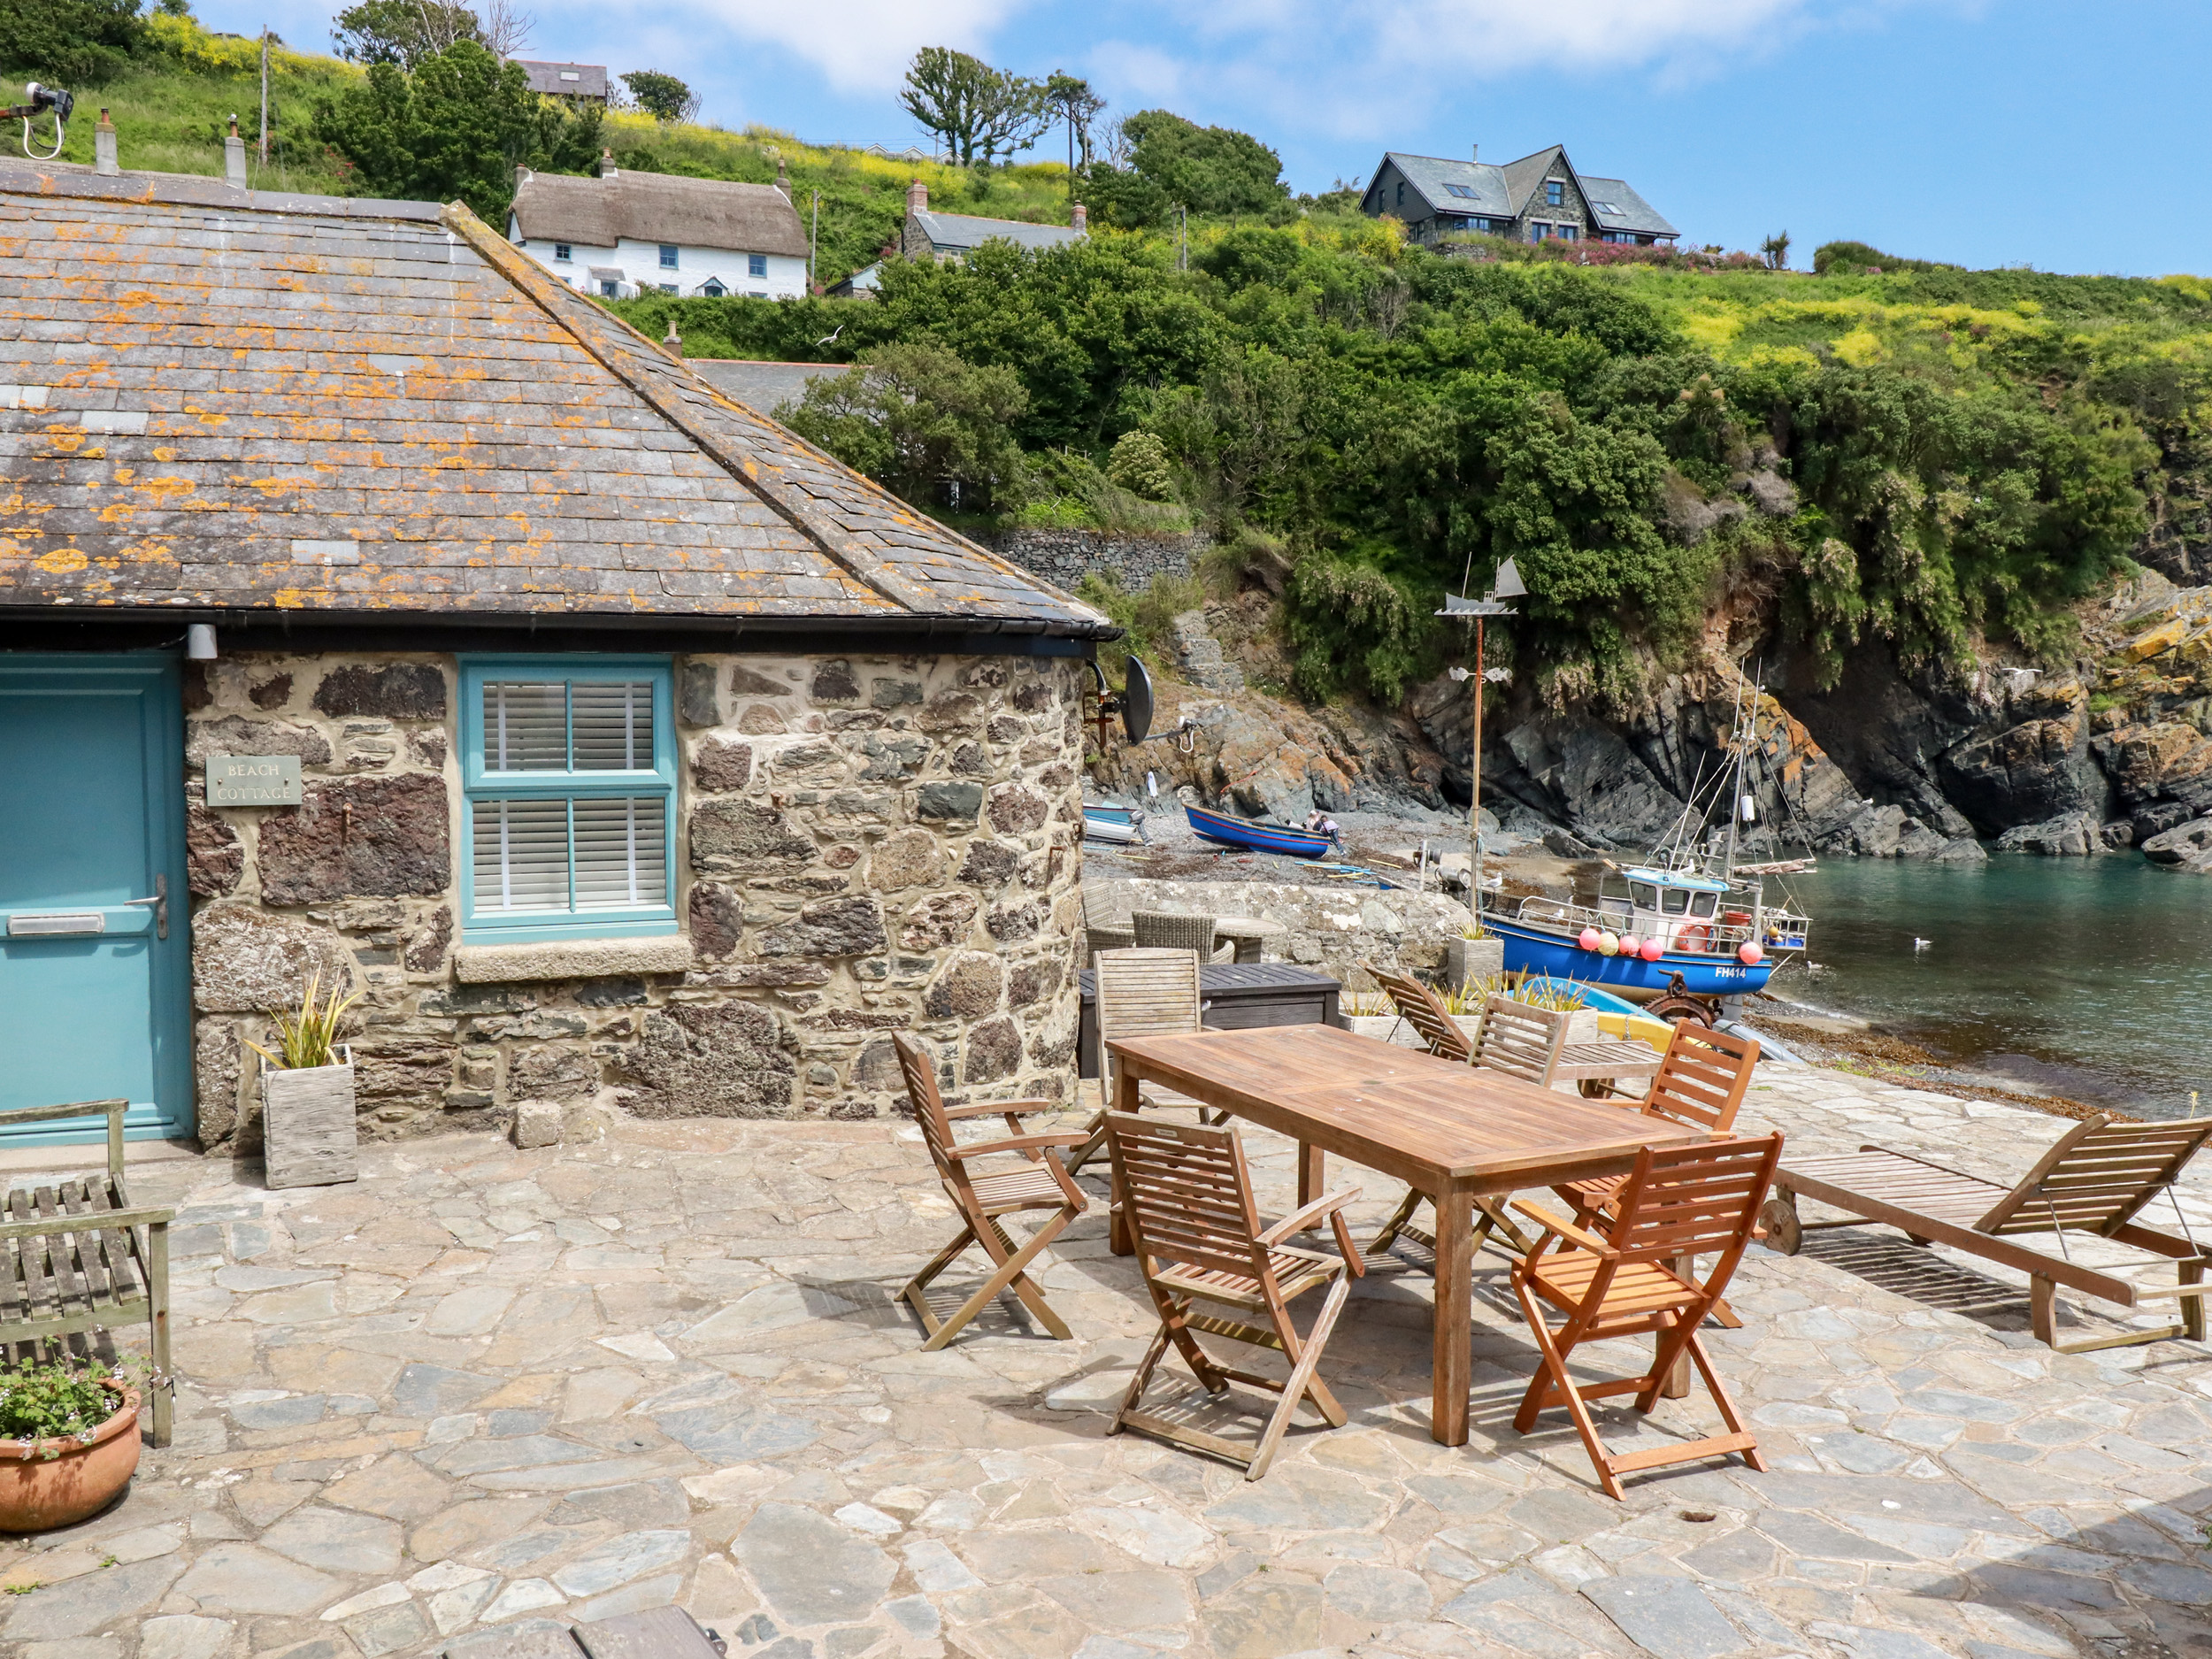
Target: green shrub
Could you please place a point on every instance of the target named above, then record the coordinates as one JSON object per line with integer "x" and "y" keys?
{"x": 56, "y": 1401}
{"x": 1140, "y": 465}
{"x": 1352, "y": 626}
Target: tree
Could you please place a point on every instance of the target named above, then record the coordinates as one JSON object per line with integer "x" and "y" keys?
{"x": 402, "y": 32}
{"x": 1777, "y": 249}
{"x": 73, "y": 43}
{"x": 920, "y": 420}
{"x": 664, "y": 98}
{"x": 455, "y": 127}
{"x": 1070, "y": 99}
{"x": 1208, "y": 169}
{"x": 979, "y": 111}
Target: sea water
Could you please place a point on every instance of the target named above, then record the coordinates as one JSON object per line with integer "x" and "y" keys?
{"x": 2090, "y": 977}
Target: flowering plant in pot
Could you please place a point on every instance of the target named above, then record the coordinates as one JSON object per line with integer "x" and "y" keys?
{"x": 68, "y": 1442}
{"x": 307, "y": 1093}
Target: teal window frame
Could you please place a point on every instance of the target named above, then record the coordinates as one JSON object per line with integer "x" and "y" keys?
{"x": 478, "y": 784}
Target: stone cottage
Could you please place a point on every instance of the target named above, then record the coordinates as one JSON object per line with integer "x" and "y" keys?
{"x": 373, "y": 607}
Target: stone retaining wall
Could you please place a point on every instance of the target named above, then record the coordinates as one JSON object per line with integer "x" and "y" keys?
{"x": 862, "y": 846}
{"x": 1335, "y": 929}
{"x": 1064, "y": 557}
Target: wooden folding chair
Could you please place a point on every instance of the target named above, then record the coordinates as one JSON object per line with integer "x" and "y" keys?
{"x": 1187, "y": 1197}
{"x": 1514, "y": 1038}
{"x": 1701, "y": 1083}
{"x": 2098, "y": 1179}
{"x": 1676, "y": 1204}
{"x": 1141, "y": 993}
{"x": 981, "y": 1199}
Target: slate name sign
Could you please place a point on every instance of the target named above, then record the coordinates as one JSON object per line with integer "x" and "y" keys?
{"x": 253, "y": 780}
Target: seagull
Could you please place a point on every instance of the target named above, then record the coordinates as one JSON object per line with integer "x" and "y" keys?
{"x": 1921, "y": 944}
{"x": 830, "y": 338}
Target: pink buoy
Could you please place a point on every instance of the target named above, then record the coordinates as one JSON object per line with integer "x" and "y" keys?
{"x": 1651, "y": 951}
{"x": 1608, "y": 944}
{"x": 1631, "y": 944}
{"x": 1749, "y": 954}
{"x": 1588, "y": 939}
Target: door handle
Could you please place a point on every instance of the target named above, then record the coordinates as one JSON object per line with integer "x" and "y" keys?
{"x": 160, "y": 902}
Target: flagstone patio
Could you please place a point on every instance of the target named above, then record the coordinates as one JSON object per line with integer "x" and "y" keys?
{"x": 485, "y": 1387}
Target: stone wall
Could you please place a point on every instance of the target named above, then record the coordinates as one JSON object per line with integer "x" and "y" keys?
{"x": 1064, "y": 557}
{"x": 1335, "y": 929}
{"x": 862, "y": 846}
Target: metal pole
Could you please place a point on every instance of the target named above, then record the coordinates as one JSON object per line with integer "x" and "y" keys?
{"x": 1474, "y": 817}
{"x": 264, "y": 94}
{"x": 814, "y": 242}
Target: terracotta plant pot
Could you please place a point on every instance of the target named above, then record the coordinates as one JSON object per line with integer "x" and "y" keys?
{"x": 39, "y": 1492}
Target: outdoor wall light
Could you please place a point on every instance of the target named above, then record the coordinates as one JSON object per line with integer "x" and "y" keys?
{"x": 199, "y": 643}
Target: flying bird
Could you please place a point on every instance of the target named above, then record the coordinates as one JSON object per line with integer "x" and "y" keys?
{"x": 830, "y": 339}
{"x": 1921, "y": 944}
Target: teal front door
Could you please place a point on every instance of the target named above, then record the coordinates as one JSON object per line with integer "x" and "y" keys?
{"x": 95, "y": 980}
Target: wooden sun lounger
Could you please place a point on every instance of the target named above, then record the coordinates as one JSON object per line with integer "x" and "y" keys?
{"x": 2096, "y": 1181}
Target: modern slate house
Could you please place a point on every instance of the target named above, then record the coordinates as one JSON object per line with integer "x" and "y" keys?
{"x": 625, "y": 232}
{"x": 1537, "y": 198}
{"x": 373, "y": 604}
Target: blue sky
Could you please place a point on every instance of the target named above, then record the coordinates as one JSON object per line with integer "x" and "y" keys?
{"x": 2060, "y": 134}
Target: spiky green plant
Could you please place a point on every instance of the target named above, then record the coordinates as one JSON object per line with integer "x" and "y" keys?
{"x": 1522, "y": 987}
{"x": 307, "y": 1035}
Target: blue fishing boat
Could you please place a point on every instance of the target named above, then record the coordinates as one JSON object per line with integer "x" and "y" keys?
{"x": 1691, "y": 922}
{"x": 1231, "y": 831}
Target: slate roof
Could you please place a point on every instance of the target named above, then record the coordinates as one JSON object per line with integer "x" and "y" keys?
{"x": 1636, "y": 213}
{"x": 590, "y": 79}
{"x": 654, "y": 207}
{"x": 211, "y": 398}
{"x": 1431, "y": 175}
{"x": 962, "y": 231}
{"x": 766, "y": 386}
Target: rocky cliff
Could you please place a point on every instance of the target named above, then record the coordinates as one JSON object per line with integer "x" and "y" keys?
{"x": 2111, "y": 753}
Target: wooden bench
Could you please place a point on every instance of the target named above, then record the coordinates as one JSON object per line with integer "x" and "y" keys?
{"x": 75, "y": 1258}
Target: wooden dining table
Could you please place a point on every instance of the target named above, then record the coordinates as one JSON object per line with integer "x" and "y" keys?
{"x": 1450, "y": 1130}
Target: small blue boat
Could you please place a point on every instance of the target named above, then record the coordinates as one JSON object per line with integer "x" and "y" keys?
{"x": 1263, "y": 837}
{"x": 1106, "y": 821}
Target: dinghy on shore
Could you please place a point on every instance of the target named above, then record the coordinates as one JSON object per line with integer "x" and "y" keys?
{"x": 1231, "y": 831}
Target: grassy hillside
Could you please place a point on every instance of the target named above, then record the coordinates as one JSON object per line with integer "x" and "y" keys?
{"x": 173, "y": 108}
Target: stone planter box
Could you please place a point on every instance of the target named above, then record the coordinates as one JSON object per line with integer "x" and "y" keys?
{"x": 307, "y": 1123}
{"x": 1380, "y": 1026}
{"x": 1466, "y": 959}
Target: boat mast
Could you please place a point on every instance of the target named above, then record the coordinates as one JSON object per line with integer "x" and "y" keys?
{"x": 1743, "y": 754}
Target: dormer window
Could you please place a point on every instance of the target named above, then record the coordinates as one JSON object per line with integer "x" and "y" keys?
{"x": 1555, "y": 193}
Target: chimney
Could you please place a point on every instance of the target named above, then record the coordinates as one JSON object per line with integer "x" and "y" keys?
{"x": 1474, "y": 152}
{"x": 1079, "y": 216}
{"x": 672, "y": 343}
{"x": 523, "y": 175}
{"x": 234, "y": 157}
{"x": 917, "y": 197}
{"x": 783, "y": 176}
{"x": 606, "y": 164}
{"x": 104, "y": 148}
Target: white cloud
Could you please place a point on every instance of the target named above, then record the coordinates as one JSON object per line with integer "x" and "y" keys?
{"x": 858, "y": 45}
{"x": 1493, "y": 36}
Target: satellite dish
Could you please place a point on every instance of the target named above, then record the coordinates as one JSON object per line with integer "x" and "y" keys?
{"x": 1136, "y": 702}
